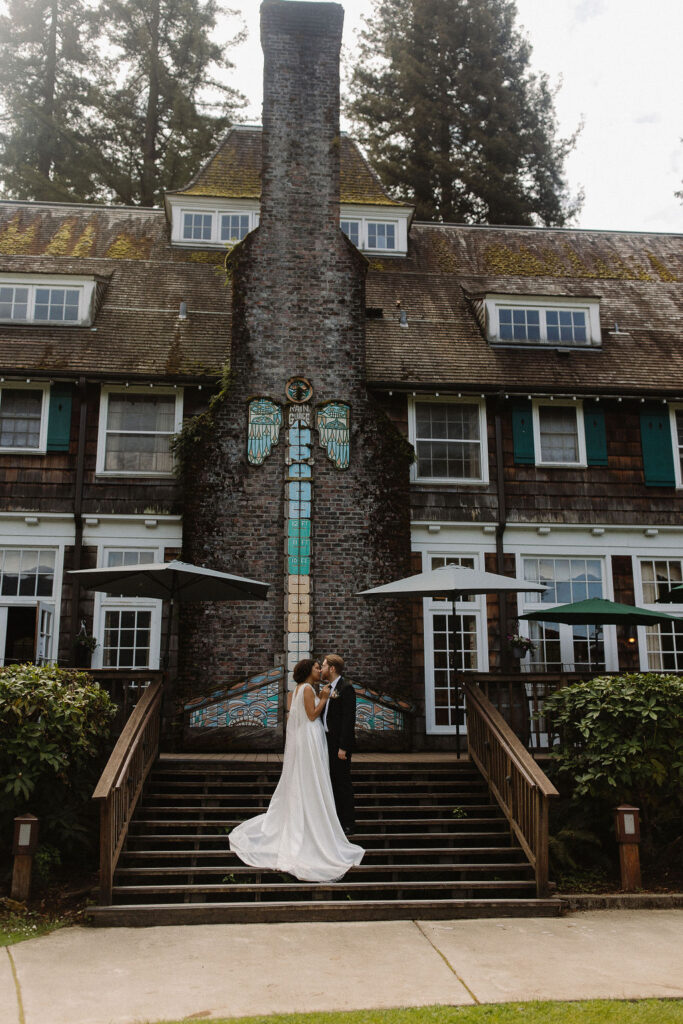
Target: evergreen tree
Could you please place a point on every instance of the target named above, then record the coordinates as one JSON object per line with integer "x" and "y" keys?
{"x": 170, "y": 105}
{"x": 116, "y": 100}
{"x": 46, "y": 49}
{"x": 452, "y": 118}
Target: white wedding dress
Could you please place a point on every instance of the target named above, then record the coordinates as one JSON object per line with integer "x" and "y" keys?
{"x": 300, "y": 832}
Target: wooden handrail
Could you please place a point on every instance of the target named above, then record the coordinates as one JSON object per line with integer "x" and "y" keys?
{"x": 122, "y": 780}
{"x": 521, "y": 789}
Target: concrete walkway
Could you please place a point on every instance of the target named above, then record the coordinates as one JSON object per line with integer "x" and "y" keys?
{"x": 121, "y": 975}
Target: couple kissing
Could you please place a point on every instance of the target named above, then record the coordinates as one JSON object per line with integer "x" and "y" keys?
{"x": 304, "y": 830}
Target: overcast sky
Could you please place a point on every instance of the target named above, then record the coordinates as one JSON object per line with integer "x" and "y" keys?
{"x": 619, "y": 62}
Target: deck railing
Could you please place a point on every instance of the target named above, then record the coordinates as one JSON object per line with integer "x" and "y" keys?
{"x": 514, "y": 779}
{"x": 122, "y": 780}
{"x": 125, "y": 687}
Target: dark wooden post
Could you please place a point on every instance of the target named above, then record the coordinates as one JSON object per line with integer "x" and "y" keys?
{"x": 25, "y": 843}
{"x": 627, "y": 825}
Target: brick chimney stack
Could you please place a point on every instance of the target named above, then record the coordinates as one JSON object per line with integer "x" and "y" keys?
{"x": 300, "y": 185}
{"x": 316, "y": 525}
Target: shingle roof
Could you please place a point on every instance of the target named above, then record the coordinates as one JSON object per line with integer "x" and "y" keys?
{"x": 637, "y": 277}
{"x": 234, "y": 171}
{"x": 138, "y": 332}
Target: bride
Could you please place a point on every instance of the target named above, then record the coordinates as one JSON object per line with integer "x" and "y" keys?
{"x": 300, "y": 832}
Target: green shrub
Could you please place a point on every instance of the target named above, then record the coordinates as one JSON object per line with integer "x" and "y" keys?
{"x": 54, "y": 724}
{"x": 621, "y": 741}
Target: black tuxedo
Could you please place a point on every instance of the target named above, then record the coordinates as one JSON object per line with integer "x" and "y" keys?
{"x": 341, "y": 725}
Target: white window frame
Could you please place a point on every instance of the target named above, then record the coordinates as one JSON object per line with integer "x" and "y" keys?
{"x": 180, "y": 205}
{"x": 677, "y": 448}
{"x": 539, "y": 403}
{"x": 483, "y": 440}
{"x": 672, "y": 608}
{"x": 85, "y": 286}
{"x": 366, "y": 215}
{"x": 566, "y": 630}
{"x": 42, "y": 441}
{"x": 543, "y": 304}
{"x": 155, "y": 392}
{"x": 474, "y": 605}
{"x": 36, "y": 601}
{"x": 104, "y": 603}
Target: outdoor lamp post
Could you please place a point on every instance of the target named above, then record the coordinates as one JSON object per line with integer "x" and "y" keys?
{"x": 627, "y": 826}
{"x": 24, "y": 847}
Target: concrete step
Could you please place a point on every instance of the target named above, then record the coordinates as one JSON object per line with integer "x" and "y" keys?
{"x": 159, "y": 913}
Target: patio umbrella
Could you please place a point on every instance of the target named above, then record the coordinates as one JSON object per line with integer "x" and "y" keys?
{"x": 171, "y": 581}
{"x": 597, "y": 611}
{"x": 452, "y": 582}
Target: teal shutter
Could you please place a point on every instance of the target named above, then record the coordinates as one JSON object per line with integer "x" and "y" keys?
{"x": 596, "y": 440}
{"x": 658, "y": 454}
{"x": 59, "y": 418}
{"x": 523, "y": 433}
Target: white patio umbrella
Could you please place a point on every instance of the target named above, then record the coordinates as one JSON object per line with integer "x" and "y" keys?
{"x": 452, "y": 582}
{"x": 171, "y": 581}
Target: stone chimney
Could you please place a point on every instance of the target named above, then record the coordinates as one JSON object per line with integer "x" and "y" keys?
{"x": 300, "y": 186}
{"x": 299, "y": 480}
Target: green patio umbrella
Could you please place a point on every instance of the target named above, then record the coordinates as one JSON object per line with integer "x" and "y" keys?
{"x": 597, "y": 611}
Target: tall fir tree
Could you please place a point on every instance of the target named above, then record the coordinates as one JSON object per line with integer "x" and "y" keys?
{"x": 113, "y": 100}
{"x": 170, "y": 104}
{"x": 453, "y": 120}
{"x": 47, "y": 48}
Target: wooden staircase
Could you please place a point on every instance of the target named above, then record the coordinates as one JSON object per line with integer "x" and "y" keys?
{"x": 436, "y": 845}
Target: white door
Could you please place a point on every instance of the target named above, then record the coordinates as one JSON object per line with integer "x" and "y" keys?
{"x": 45, "y": 616}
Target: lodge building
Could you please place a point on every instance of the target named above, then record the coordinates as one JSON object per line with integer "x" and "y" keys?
{"x": 283, "y": 375}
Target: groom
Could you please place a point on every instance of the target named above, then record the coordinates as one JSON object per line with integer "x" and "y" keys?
{"x": 339, "y": 719}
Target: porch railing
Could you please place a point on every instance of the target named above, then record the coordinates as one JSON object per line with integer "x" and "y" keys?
{"x": 520, "y": 698}
{"x": 122, "y": 780}
{"x": 514, "y": 779}
{"x": 125, "y": 687}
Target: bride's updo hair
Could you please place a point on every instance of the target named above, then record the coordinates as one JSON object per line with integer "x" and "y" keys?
{"x": 303, "y": 669}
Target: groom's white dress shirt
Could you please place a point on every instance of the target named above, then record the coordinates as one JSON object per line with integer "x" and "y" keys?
{"x": 333, "y": 687}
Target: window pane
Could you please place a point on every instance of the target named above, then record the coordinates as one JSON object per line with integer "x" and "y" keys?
{"x": 234, "y": 226}
{"x": 27, "y": 572}
{"x": 563, "y": 647}
{"x": 519, "y": 324}
{"x": 381, "y": 236}
{"x": 351, "y": 229}
{"x": 20, "y": 417}
{"x": 127, "y": 638}
{"x": 197, "y": 226}
{"x": 13, "y": 303}
{"x": 559, "y": 434}
{"x": 139, "y": 430}
{"x": 447, "y": 440}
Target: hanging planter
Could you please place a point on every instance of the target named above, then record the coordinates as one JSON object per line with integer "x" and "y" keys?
{"x": 520, "y": 645}
{"x": 85, "y": 647}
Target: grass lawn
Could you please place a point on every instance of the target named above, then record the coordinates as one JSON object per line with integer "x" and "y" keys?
{"x": 16, "y": 927}
{"x": 596, "y": 1011}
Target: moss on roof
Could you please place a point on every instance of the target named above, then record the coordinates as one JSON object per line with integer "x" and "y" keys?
{"x": 234, "y": 171}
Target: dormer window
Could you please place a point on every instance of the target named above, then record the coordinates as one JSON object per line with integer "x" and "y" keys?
{"x": 40, "y": 299}
{"x": 376, "y": 229}
{"x": 560, "y": 321}
{"x": 208, "y": 223}
{"x": 372, "y": 235}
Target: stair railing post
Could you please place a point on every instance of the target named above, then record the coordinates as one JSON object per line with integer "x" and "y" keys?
{"x": 106, "y": 844}
{"x": 541, "y": 844}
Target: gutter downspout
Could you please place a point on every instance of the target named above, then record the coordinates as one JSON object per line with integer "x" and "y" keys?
{"x": 78, "y": 518}
{"x": 500, "y": 530}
